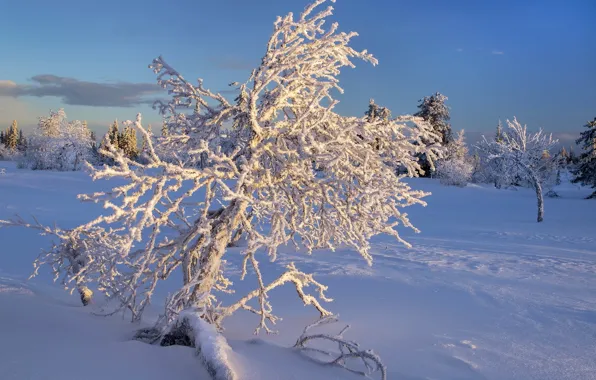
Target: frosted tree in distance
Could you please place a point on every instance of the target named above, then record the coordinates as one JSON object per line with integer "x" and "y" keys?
{"x": 58, "y": 144}
{"x": 456, "y": 168}
{"x": 522, "y": 154}
{"x": 181, "y": 213}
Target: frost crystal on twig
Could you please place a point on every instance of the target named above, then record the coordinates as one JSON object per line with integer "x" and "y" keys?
{"x": 347, "y": 349}
{"x": 277, "y": 166}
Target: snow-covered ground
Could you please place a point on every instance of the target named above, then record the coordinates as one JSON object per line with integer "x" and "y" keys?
{"x": 485, "y": 293}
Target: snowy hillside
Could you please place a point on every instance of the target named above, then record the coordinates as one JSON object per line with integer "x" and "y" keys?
{"x": 485, "y": 293}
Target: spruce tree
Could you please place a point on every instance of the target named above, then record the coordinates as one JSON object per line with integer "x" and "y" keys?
{"x": 375, "y": 113}
{"x": 2, "y": 138}
{"x": 585, "y": 173}
{"x": 131, "y": 143}
{"x": 113, "y": 134}
{"x": 144, "y": 145}
{"x": 499, "y": 133}
{"x": 434, "y": 110}
{"x": 12, "y": 138}
{"x": 22, "y": 142}
{"x": 564, "y": 155}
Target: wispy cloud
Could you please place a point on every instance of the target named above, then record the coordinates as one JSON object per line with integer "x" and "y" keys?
{"x": 83, "y": 93}
{"x": 497, "y": 52}
{"x": 459, "y": 50}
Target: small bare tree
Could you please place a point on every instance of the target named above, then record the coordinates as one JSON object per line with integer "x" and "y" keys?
{"x": 522, "y": 155}
{"x": 179, "y": 210}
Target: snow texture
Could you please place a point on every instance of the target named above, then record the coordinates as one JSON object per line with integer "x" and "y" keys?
{"x": 488, "y": 295}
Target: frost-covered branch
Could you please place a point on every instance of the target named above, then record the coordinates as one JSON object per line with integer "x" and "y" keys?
{"x": 277, "y": 165}
{"x": 346, "y": 349}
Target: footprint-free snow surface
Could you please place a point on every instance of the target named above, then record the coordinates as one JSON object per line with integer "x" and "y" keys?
{"x": 485, "y": 293}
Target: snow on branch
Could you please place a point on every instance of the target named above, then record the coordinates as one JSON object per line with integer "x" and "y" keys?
{"x": 346, "y": 349}
{"x": 523, "y": 155}
{"x": 278, "y": 165}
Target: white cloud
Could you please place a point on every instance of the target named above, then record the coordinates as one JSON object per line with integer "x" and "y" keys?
{"x": 459, "y": 50}
{"x": 497, "y": 52}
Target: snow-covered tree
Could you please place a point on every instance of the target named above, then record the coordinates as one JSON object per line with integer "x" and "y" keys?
{"x": 11, "y": 137}
{"x": 127, "y": 142}
{"x": 58, "y": 144}
{"x": 585, "y": 173}
{"x": 499, "y": 132}
{"x": 434, "y": 110}
{"x": 5, "y": 154}
{"x": 377, "y": 113}
{"x": 455, "y": 168}
{"x": 21, "y": 142}
{"x": 522, "y": 154}
{"x": 178, "y": 215}
{"x": 495, "y": 170}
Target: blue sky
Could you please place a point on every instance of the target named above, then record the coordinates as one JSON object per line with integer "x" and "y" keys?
{"x": 535, "y": 59}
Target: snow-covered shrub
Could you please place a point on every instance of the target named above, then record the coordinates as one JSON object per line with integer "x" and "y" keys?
{"x": 457, "y": 172}
{"x": 5, "y": 154}
{"x": 181, "y": 214}
{"x": 455, "y": 168}
{"x": 523, "y": 156}
{"x": 57, "y": 144}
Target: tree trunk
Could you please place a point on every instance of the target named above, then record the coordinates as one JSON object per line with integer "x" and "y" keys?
{"x": 539, "y": 197}
{"x": 209, "y": 260}
{"x": 86, "y": 295}
{"x": 77, "y": 263}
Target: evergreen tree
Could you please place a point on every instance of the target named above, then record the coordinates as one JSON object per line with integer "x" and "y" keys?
{"x": 128, "y": 142}
{"x": 499, "y": 133}
{"x": 434, "y": 110}
{"x": 22, "y": 142}
{"x": 113, "y": 137}
{"x": 113, "y": 134}
{"x": 12, "y": 138}
{"x": 132, "y": 143}
{"x": 164, "y": 129}
{"x": 94, "y": 148}
{"x": 564, "y": 155}
{"x": 2, "y": 138}
{"x": 144, "y": 145}
{"x": 376, "y": 113}
{"x": 572, "y": 156}
{"x": 585, "y": 173}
